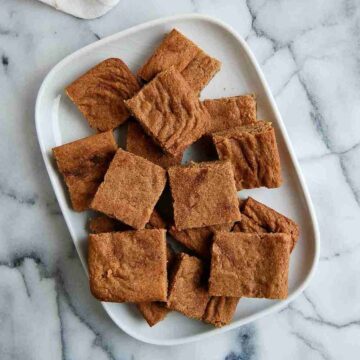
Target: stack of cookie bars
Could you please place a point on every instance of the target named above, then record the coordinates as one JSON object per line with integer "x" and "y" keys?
{"x": 231, "y": 248}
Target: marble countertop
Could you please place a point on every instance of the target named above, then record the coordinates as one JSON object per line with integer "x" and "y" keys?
{"x": 310, "y": 53}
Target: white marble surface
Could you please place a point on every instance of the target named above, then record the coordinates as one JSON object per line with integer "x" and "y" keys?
{"x": 310, "y": 53}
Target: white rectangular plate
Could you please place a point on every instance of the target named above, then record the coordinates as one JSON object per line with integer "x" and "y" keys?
{"x": 58, "y": 122}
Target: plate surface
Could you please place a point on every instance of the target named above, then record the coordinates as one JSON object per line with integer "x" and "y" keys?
{"x": 58, "y": 122}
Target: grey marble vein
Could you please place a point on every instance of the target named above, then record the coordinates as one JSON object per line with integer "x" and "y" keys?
{"x": 5, "y": 61}
{"x": 317, "y": 348}
{"x": 98, "y": 341}
{"x": 63, "y": 342}
{"x": 61, "y": 296}
{"x": 315, "y": 114}
{"x": 31, "y": 200}
{"x": 259, "y": 32}
{"x": 321, "y": 321}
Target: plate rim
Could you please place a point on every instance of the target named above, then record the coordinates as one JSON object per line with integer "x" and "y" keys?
{"x": 314, "y": 224}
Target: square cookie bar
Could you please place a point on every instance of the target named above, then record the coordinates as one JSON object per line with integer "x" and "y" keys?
{"x": 155, "y": 311}
{"x": 100, "y": 93}
{"x": 203, "y": 194}
{"x": 130, "y": 190}
{"x": 83, "y": 164}
{"x": 187, "y": 291}
{"x": 128, "y": 266}
{"x": 253, "y": 152}
{"x": 141, "y": 144}
{"x": 250, "y": 265}
{"x": 230, "y": 112}
{"x": 259, "y": 218}
{"x": 176, "y": 50}
{"x": 220, "y": 310}
{"x": 198, "y": 240}
{"x": 170, "y": 112}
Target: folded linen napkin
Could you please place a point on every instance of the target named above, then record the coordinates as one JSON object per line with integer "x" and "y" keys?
{"x": 86, "y": 9}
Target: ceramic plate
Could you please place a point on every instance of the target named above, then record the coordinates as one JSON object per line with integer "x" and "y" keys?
{"x": 58, "y": 122}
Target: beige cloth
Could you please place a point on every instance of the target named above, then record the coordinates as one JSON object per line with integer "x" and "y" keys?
{"x": 86, "y": 9}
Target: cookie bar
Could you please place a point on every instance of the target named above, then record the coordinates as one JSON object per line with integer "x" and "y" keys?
{"x": 176, "y": 50}
{"x": 170, "y": 112}
{"x": 103, "y": 223}
{"x": 220, "y": 310}
{"x": 187, "y": 291}
{"x": 230, "y": 112}
{"x": 153, "y": 312}
{"x": 100, "y": 93}
{"x": 156, "y": 221}
{"x": 248, "y": 225}
{"x": 253, "y": 152}
{"x": 250, "y": 265}
{"x": 128, "y": 266}
{"x": 203, "y": 194}
{"x": 259, "y": 218}
{"x": 83, "y": 164}
{"x": 130, "y": 190}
